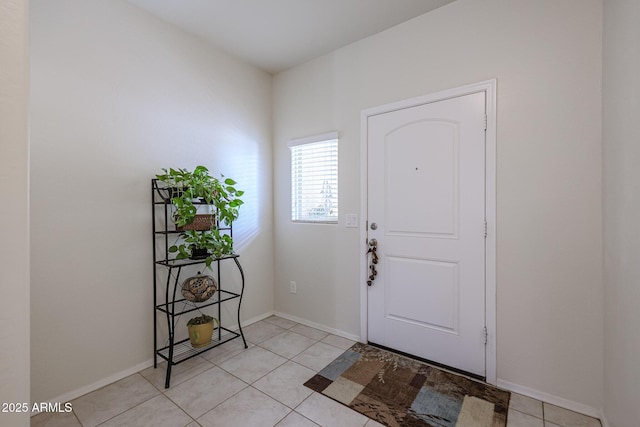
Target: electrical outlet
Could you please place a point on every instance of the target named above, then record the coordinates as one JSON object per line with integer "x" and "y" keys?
{"x": 292, "y": 287}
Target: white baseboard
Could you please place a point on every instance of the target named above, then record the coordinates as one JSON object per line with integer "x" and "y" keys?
{"x": 318, "y": 326}
{"x": 603, "y": 420}
{"x": 67, "y": 397}
{"x": 552, "y": 399}
{"x": 253, "y": 320}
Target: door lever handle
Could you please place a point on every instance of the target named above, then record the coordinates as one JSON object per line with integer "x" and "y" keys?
{"x": 373, "y": 247}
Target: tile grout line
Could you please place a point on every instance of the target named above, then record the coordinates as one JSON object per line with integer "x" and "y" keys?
{"x": 288, "y": 359}
{"x": 269, "y": 397}
{"x": 295, "y": 355}
{"x": 236, "y": 377}
{"x": 78, "y": 419}
{"x": 178, "y": 406}
{"x": 135, "y": 406}
{"x": 251, "y": 385}
{"x": 235, "y": 394}
{"x": 313, "y": 392}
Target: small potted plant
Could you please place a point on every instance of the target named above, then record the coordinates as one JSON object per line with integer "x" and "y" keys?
{"x": 201, "y": 330}
{"x": 206, "y": 245}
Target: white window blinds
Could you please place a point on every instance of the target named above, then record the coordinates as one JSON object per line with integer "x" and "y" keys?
{"x": 314, "y": 178}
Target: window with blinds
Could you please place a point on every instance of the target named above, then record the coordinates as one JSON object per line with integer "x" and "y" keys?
{"x": 314, "y": 178}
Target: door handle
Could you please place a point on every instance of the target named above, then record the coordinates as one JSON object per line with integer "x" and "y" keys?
{"x": 373, "y": 248}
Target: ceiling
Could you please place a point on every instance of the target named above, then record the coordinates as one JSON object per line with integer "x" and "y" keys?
{"x": 277, "y": 34}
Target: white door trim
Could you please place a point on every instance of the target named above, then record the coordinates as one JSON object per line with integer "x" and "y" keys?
{"x": 489, "y": 87}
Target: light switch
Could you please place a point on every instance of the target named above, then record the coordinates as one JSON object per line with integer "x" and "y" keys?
{"x": 351, "y": 220}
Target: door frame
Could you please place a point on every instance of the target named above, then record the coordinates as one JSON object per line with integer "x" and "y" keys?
{"x": 489, "y": 87}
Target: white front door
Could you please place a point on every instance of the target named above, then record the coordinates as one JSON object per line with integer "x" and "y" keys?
{"x": 426, "y": 210}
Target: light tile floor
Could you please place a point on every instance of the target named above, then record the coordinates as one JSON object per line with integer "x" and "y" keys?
{"x": 260, "y": 386}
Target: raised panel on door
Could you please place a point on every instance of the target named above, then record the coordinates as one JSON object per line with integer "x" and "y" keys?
{"x": 421, "y": 188}
{"x": 438, "y": 279}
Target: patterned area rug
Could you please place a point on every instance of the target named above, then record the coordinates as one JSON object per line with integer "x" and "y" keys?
{"x": 399, "y": 391}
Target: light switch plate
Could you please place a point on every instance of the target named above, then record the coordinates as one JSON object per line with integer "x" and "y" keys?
{"x": 351, "y": 220}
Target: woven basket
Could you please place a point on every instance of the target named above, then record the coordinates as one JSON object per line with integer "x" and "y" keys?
{"x": 201, "y": 222}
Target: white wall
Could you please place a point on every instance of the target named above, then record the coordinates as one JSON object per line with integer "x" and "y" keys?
{"x": 14, "y": 209}
{"x": 546, "y": 56}
{"x": 116, "y": 96}
{"x": 621, "y": 103}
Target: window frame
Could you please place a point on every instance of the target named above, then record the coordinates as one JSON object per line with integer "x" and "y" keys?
{"x": 324, "y": 137}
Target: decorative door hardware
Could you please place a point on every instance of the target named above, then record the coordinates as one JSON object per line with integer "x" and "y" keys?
{"x": 373, "y": 247}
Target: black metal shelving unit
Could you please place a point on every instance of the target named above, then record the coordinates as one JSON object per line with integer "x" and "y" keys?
{"x": 175, "y": 352}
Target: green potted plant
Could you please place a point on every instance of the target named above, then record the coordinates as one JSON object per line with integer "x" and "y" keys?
{"x": 183, "y": 187}
{"x": 201, "y": 330}
{"x": 206, "y": 245}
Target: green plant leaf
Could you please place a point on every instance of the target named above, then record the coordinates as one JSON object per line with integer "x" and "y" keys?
{"x": 200, "y": 169}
